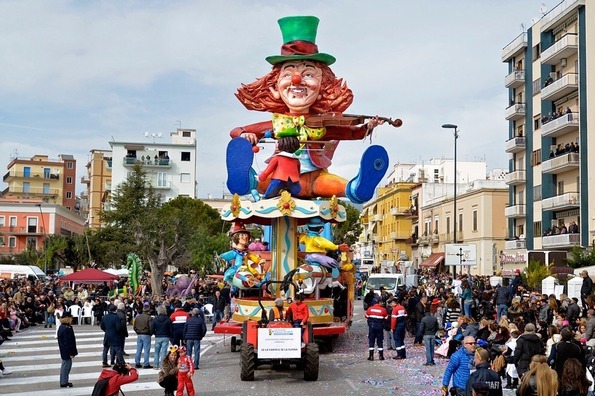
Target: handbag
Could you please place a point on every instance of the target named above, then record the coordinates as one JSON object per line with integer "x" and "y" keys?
{"x": 51, "y": 308}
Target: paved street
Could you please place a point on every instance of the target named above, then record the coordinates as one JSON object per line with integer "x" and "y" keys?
{"x": 34, "y": 359}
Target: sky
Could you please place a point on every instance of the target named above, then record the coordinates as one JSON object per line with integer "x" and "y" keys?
{"x": 75, "y": 75}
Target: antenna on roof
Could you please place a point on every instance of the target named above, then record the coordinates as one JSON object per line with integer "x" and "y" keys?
{"x": 522, "y": 27}
{"x": 543, "y": 9}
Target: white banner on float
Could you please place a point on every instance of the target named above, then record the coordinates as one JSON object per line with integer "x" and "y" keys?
{"x": 460, "y": 254}
{"x": 279, "y": 343}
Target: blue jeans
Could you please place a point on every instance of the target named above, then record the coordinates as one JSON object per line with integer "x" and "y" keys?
{"x": 502, "y": 310}
{"x": 143, "y": 342}
{"x": 193, "y": 346}
{"x": 399, "y": 338}
{"x": 161, "y": 344}
{"x": 217, "y": 316}
{"x": 430, "y": 341}
{"x": 65, "y": 371}
{"x": 418, "y": 337}
{"x": 467, "y": 307}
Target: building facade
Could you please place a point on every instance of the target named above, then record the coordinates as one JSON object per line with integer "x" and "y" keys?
{"x": 25, "y": 223}
{"x": 52, "y": 181}
{"x": 170, "y": 167}
{"x": 551, "y": 85}
{"x": 99, "y": 186}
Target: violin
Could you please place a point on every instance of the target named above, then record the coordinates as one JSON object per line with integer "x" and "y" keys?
{"x": 340, "y": 119}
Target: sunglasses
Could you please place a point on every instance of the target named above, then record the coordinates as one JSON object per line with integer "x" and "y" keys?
{"x": 470, "y": 343}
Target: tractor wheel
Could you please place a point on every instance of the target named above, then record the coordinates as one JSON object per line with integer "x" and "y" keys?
{"x": 312, "y": 362}
{"x": 247, "y": 362}
{"x": 233, "y": 343}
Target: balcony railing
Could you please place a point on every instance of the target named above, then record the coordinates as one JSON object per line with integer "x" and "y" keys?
{"x": 563, "y": 86}
{"x": 561, "y": 163}
{"x": 147, "y": 161}
{"x": 397, "y": 235}
{"x": 515, "y": 244}
{"x": 560, "y": 12}
{"x": 85, "y": 180}
{"x": 515, "y": 79}
{"x": 515, "y": 177}
{"x": 20, "y": 230}
{"x": 377, "y": 217}
{"x": 514, "y": 47}
{"x": 563, "y": 48}
{"x": 18, "y": 175}
{"x": 34, "y": 191}
{"x": 560, "y": 126}
{"x": 515, "y": 112}
{"x": 561, "y": 241}
{"x": 515, "y": 144}
{"x": 161, "y": 186}
{"x": 398, "y": 211}
{"x": 515, "y": 211}
{"x": 559, "y": 202}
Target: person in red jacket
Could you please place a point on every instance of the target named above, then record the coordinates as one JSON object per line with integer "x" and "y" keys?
{"x": 376, "y": 316}
{"x": 122, "y": 373}
{"x": 397, "y": 325}
{"x": 185, "y": 373}
{"x": 283, "y": 167}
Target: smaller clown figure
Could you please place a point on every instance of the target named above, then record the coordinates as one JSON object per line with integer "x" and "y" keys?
{"x": 284, "y": 166}
{"x": 316, "y": 246}
{"x": 246, "y": 268}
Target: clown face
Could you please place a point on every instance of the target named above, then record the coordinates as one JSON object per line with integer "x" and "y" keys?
{"x": 298, "y": 85}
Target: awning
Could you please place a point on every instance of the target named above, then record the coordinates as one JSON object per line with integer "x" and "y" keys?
{"x": 432, "y": 261}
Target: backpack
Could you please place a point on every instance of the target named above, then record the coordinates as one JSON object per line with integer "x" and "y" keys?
{"x": 100, "y": 387}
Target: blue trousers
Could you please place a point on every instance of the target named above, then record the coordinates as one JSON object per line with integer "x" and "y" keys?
{"x": 193, "y": 347}
{"x": 65, "y": 371}
{"x": 399, "y": 338}
{"x": 375, "y": 335}
{"x": 161, "y": 345}
{"x": 143, "y": 343}
{"x": 430, "y": 341}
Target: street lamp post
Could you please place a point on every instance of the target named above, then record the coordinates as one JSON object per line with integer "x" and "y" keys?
{"x": 45, "y": 253}
{"x": 454, "y": 201}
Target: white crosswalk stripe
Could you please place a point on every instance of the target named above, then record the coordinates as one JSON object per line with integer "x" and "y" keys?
{"x": 33, "y": 358}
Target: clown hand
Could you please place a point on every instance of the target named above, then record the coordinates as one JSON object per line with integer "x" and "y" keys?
{"x": 373, "y": 123}
{"x": 344, "y": 247}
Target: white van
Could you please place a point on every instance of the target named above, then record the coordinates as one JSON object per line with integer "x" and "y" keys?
{"x": 390, "y": 282}
{"x": 9, "y": 271}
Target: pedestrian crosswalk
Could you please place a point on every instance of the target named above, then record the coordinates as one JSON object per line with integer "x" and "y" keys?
{"x": 33, "y": 358}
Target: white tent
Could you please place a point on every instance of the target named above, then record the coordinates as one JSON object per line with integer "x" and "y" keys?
{"x": 119, "y": 272}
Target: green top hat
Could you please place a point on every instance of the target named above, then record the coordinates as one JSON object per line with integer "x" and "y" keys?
{"x": 299, "y": 41}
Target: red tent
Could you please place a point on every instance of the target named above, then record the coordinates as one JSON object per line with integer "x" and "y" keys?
{"x": 89, "y": 275}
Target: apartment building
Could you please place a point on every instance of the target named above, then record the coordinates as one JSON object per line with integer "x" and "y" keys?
{"x": 170, "y": 167}
{"x": 98, "y": 182}
{"x": 40, "y": 177}
{"x": 551, "y": 89}
{"x": 25, "y": 223}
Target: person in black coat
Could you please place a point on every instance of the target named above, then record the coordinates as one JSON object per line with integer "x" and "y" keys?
{"x": 483, "y": 373}
{"x": 527, "y": 345}
{"x": 194, "y": 331}
{"x": 112, "y": 326}
{"x": 566, "y": 349}
{"x": 67, "y": 345}
{"x": 586, "y": 288}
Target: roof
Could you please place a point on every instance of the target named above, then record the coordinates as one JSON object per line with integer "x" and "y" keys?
{"x": 433, "y": 260}
{"x": 89, "y": 275}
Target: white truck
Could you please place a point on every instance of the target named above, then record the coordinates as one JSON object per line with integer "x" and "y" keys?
{"x": 390, "y": 282}
{"x": 10, "y": 271}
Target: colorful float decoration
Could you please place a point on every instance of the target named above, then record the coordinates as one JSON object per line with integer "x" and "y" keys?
{"x": 296, "y": 195}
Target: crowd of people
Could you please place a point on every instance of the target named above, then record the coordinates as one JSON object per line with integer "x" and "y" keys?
{"x": 502, "y": 337}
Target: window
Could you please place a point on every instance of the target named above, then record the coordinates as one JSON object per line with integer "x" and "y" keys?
{"x": 2, "y": 240}
{"x": 31, "y": 243}
{"x": 26, "y": 187}
{"x": 186, "y": 134}
{"x": 475, "y": 220}
{"x": 448, "y": 225}
{"x": 560, "y": 188}
{"x": 537, "y": 228}
{"x": 13, "y": 221}
{"x": 537, "y": 123}
{"x": 537, "y": 193}
{"x": 185, "y": 156}
{"x": 520, "y": 130}
{"x": 537, "y": 52}
{"x": 185, "y": 177}
{"x": 69, "y": 165}
{"x": 12, "y": 241}
{"x": 68, "y": 194}
{"x": 2, "y": 221}
{"x": 161, "y": 179}
{"x": 536, "y": 157}
{"x": 69, "y": 180}
{"x": 46, "y": 188}
{"x": 32, "y": 225}
{"x": 460, "y": 222}
{"x": 436, "y": 225}
{"x": 536, "y": 86}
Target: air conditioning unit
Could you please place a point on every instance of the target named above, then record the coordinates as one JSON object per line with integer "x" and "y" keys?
{"x": 563, "y": 62}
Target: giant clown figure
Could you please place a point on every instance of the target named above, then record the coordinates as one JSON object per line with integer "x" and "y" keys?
{"x": 302, "y": 85}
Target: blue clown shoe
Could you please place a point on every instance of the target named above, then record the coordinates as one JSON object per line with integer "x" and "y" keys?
{"x": 239, "y": 158}
{"x": 372, "y": 169}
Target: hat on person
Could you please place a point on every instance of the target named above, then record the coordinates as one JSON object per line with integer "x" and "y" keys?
{"x": 182, "y": 349}
{"x": 435, "y": 301}
{"x": 299, "y": 41}
{"x": 238, "y": 227}
{"x": 517, "y": 271}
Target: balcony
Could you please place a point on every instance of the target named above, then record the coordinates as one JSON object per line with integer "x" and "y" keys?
{"x": 376, "y": 218}
{"x": 560, "y": 126}
{"x": 147, "y": 162}
{"x": 515, "y": 112}
{"x": 20, "y": 230}
{"x": 411, "y": 214}
{"x": 515, "y": 244}
{"x": 412, "y": 241}
{"x": 108, "y": 164}
{"x": 515, "y": 79}
{"x": 424, "y": 240}
{"x": 561, "y": 49}
{"x": 563, "y": 86}
{"x": 515, "y": 211}
{"x": 515, "y": 46}
{"x": 515, "y": 177}
{"x": 561, "y": 241}
{"x": 162, "y": 185}
{"x": 559, "y": 13}
{"x": 400, "y": 235}
{"x": 85, "y": 180}
{"x": 35, "y": 192}
{"x": 398, "y": 211}
{"x": 515, "y": 144}
{"x": 374, "y": 238}
{"x": 561, "y": 163}
{"x": 559, "y": 202}
{"x": 11, "y": 175}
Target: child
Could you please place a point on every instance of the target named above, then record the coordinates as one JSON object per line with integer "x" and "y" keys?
{"x": 284, "y": 167}
{"x": 185, "y": 372}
